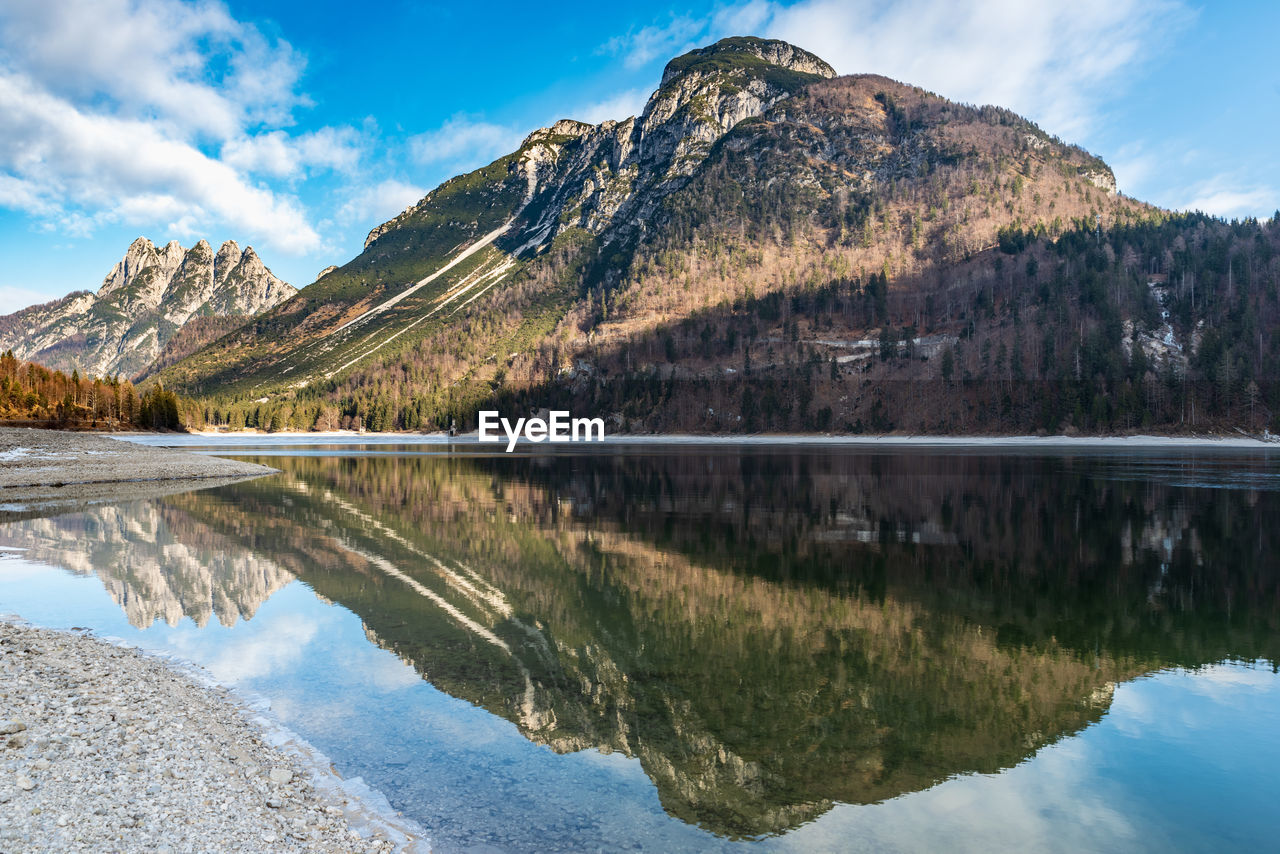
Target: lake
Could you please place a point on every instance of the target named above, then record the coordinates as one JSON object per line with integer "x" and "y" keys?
{"x": 718, "y": 648}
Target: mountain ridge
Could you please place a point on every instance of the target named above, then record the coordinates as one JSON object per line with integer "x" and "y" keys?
{"x": 735, "y": 257}
{"x": 571, "y": 182}
{"x": 147, "y": 298}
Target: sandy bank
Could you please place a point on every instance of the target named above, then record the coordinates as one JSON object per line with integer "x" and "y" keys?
{"x": 104, "y": 748}
{"x": 54, "y": 470}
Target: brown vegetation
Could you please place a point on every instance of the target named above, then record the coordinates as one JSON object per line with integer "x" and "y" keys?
{"x": 34, "y": 395}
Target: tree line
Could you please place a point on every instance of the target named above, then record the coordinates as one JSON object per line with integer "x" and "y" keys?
{"x": 35, "y": 395}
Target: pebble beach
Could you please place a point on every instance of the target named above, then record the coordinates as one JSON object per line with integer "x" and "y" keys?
{"x": 58, "y": 471}
{"x": 106, "y": 749}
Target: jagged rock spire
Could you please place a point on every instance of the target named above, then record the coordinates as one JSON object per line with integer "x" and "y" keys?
{"x": 149, "y": 294}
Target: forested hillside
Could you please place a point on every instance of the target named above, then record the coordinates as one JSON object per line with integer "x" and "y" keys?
{"x": 33, "y": 395}
{"x": 1167, "y": 324}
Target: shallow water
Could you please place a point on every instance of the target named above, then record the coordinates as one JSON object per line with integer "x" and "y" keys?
{"x": 816, "y": 649}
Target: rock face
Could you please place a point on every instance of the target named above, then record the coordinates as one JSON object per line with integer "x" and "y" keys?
{"x": 1103, "y": 179}
{"x": 146, "y": 298}
{"x": 579, "y": 175}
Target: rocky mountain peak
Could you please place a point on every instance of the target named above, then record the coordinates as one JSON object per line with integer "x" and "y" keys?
{"x": 228, "y": 254}
{"x": 129, "y": 280}
{"x": 743, "y": 53}
{"x": 199, "y": 255}
{"x": 171, "y": 255}
{"x": 707, "y": 91}
{"x": 561, "y": 131}
{"x": 250, "y": 263}
{"x": 590, "y": 176}
{"x": 587, "y": 176}
{"x": 148, "y": 295}
{"x": 140, "y": 252}
{"x": 225, "y": 261}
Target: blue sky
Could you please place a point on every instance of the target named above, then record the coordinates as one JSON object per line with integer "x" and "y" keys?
{"x": 296, "y": 127}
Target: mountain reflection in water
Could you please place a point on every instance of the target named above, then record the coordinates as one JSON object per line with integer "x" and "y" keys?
{"x": 768, "y": 633}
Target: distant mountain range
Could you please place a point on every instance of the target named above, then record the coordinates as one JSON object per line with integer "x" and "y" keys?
{"x": 151, "y": 295}
{"x": 767, "y": 247}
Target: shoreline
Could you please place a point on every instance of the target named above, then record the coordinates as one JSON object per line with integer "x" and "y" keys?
{"x": 208, "y": 439}
{"x": 46, "y": 471}
{"x": 104, "y": 744}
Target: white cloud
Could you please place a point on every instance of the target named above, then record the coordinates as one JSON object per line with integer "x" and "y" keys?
{"x": 266, "y": 154}
{"x": 279, "y": 155}
{"x": 276, "y": 647}
{"x": 191, "y": 64}
{"x": 658, "y": 41}
{"x": 17, "y": 194}
{"x": 1228, "y": 683}
{"x": 112, "y": 108}
{"x": 1150, "y": 171}
{"x": 1053, "y": 61}
{"x": 464, "y": 142}
{"x": 743, "y": 19}
{"x": 1050, "y": 60}
{"x": 1228, "y": 196}
{"x": 622, "y": 105}
{"x": 129, "y": 171}
{"x": 378, "y": 203}
{"x": 1018, "y": 809}
{"x": 1134, "y": 165}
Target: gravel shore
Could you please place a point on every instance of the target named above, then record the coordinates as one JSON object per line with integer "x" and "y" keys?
{"x": 44, "y": 471}
{"x": 106, "y": 749}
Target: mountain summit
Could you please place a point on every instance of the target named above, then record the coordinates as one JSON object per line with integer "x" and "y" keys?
{"x": 148, "y": 296}
{"x": 591, "y": 176}
{"x": 619, "y": 172}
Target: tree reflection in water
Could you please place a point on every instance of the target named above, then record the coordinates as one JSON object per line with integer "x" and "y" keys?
{"x": 768, "y": 633}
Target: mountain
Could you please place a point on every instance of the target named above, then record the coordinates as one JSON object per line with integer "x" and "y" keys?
{"x": 770, "y": 247}
{"x": 147, "y": 298}
{"x": 481, "y": 230}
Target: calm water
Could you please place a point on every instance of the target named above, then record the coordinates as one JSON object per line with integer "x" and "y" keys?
{"x": 724, "y": 650}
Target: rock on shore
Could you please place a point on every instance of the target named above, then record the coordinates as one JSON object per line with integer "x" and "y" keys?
{"x": 107, "y": 749}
